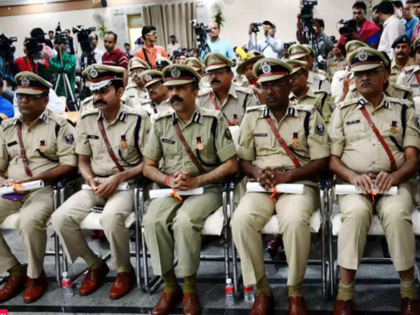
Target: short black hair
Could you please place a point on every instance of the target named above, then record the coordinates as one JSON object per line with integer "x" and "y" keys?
{"x": 126, "y": 44}
{"x": 410, "y": 1}
{"x": 360, "y": 5}
{"x": 375, "y": 8}
{"x": 146, "y": 30}
{"x": 320, "y": 22}
{"x": 113, "y": 34}
{"x": 398, "y": 4}
{"x": 118, "y": 84}
{"x": 172, "y": 36}
{"x": 50, "y": 32}
{"x": 195, "y": 86}
{"x": 268, "y": 23}
{"x": 386, "y": 8}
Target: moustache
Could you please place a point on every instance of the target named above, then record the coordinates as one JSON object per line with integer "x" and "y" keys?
{"x": 100, "y": 102}
{"x": 366, "y": 83}
{"x": 176, "y": 99}
{"x": 215, "y": 81}
{"x": 400, "y": 54}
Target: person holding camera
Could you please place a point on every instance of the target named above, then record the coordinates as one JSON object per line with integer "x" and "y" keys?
{"x": 365, "y": 31}
{"x": 323, "y": 43}
{"x": 33, "y": 60}
{"x": 270, "y": 46}
{"x": 150, "y": 51}
{"x": 97, "y": 54}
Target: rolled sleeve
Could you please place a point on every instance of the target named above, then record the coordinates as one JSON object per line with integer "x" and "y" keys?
{"x": 82, "y": 144}
{"x": 318, "y": 140}
{"x": 412, "y": 135}
{"x": 246, "y": 142}
{"x": 336, "y": 134}
{"x": 66, "y": 146}
{"x": 4, "y": 155}
{"x": 224, "y": 144}
{"x": 153, "y": 149}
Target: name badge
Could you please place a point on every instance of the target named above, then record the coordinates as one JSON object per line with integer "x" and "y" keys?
{"x": 414, "y": 85}
{"x": 11, "y": 144}
{"x": 92, "y": 137}
{"x": 353, "y": 122}
{"x": 168, "y": 141}
{"x": 260, "y": 135}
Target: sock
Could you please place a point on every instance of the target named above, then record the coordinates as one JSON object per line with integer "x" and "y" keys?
{"x": 171, "y": 284}
{"x": 190, "y": 284}
{"x": 91, "y": 259}
{"x": 126, "y": 267}
{"x": 263, "y": 287}
{"x": 296, "y": 290}
{"x": 17, "y": 271}
{"x": 345, "y": 292}
{"x": 408, "y": 289}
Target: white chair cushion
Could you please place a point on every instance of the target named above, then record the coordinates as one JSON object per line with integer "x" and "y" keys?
{"x": 10, "y": 222}
{"x": 272, "y": 227}
{"x": 375, "y": 227}
{"x": 214, "y": 223}
{"x": 92, "y": 221}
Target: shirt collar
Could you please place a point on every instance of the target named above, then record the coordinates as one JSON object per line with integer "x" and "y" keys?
{"x": 389, "y": 20}
{"x": 44, "y": 117}
{"x": 385, "y": 103}
{"x": 291, "y": 112}
{"x": 121, "y": 116}
{"x": 195, "y": 118}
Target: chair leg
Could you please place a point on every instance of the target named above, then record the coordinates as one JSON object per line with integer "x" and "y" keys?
{"x": 57, "y": 259}
{"x": 233, "y": 248}
{"x": 331, "y": 244}
{"x": 138, "y": 197}
{"x": 323, "y": 260}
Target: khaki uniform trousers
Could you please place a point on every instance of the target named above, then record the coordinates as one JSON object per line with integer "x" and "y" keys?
{"x": 294, "y": 214}
{"x": 169, "y": 222}
{"x": 34, "y": 212}
{"x": 117, "y": 208}
{"x": 394, "y": 213}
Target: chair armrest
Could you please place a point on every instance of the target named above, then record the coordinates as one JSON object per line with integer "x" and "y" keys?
{"x": 141, "y": 183}
{"x": 235, "y": 180}
{"x": 62, "y": 183}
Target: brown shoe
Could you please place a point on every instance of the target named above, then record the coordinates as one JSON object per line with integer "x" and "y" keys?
{"x": 92, "y": 279}
{"x": 123, "y": 284}
{"x": 273, "y": 246}
{"x": 343, "y": 307}
{"x": 13, "y": 287}
{"x": 191, "y": 304}
{"x": 410, "y": 306}
{"x": 167, "y": 302}
{"x": 263, "y": 304}
{"x": 297, "y": 306}
{"x": 35, "y": 288}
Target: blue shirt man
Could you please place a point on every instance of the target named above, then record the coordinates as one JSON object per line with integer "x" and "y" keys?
{"x": 219, "y": 45}
{"x": 409, "y": 26}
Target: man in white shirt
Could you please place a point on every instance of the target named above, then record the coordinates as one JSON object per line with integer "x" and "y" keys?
{"x": 172, "y": 46}
{"x": 270, "y": 46}
{"x": 96, "y": 52}
{"x": 393, "y": 28}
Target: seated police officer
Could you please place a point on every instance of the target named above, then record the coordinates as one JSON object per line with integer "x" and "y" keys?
{"x": 135, "y": 93}
{"x": 278, "y": 143}
{"x": 224, "y": 95}
{"x": 375, "y": 142}
{"x": 39, "y": 145}
{"x": 197, "y": 151}
{"x": 110, "y": 145}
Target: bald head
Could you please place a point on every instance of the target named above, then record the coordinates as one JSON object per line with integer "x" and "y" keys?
{"x": 215, "y": 31}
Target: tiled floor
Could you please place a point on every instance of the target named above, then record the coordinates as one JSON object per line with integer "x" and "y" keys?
{"x": 372, "y": 296}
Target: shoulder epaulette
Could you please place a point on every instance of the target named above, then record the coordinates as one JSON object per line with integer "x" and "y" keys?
{"x": 60, "y": 120}
{"x": 7, "y": 123}
{"x": 305, "y": 108}
{"x": 87, "y": 100}
{"x": 93, "y": 111}
{"x": 204, "y": 91}
{"x": 400, "y": 101}
{"x": 399, "y": 87}
{"x": 349, "y": 102}
{"x": 163, "y": 115}
{"x": 211, "y": 113}
{"x": 409, "y": 69}
{"x": 319, "y": 76}
{"x": 255, "y": 108}
{"x": 244, "y": 89}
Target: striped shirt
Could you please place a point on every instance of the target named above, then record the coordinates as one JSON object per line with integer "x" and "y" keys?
{"x": 115, "y": 58}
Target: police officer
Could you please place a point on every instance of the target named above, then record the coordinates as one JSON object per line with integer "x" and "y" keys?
{"x": 224, "y": 95}
{"x": 110, "y": 144}
{"x": 303, "y": 95}
{"x": 299, "y": 157}
{"x": 402, "y": 59}
{"x": 198, "y": 66}
{"x": 158, "y": 93}
{"x": 245, "y": 69}
{"x": 336, "y": 62}
{"x": 375, "y": 142}
{"x": 135, "y": 93}
{"x": 39, "y": 145}
{"x": 410, "y": 76}
{"x": 343, "y": 79}
{"x": 197, "y": 150}
{"x": 162, "y": 62}
{"x": 316, "y": 81}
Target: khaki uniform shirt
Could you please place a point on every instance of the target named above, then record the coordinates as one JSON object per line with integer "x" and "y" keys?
{"x": 131, "y": 126}
{"x": 355, "y": 143}
{"x": 321, "y": 100}
{"x": 133, "y": 96}
{"x": 338, "y": 83}
{"x": 86, "y": 105}
{"x": 235, "y": 104}
{"x": 408, "y": 79}
{"x": 393, "y": 90}
{"x": 154, "y": 109}
{"x": 51, "y": 131}
{"x": 396, "y": 70}
{"x": 258, "y": 144}
{"x": 319, "y": 82}
{"x": 204, "y": 83}
{"x": 334, "y": 65}
{"x": 164, "y": 142}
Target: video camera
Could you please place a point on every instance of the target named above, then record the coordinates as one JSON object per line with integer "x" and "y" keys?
{"x": 33, "y": 48}
{"x": 255, "y": 27}
{"x": 201, "y": 31}
{"x": 83, "y": 37}
{"x": 307, "y": 14}
{"x": 60, "y": 37}
{"x": 7, "y": 49}
{"x": 349, "y": 27}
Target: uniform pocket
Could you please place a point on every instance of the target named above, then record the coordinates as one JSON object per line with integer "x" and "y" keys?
{"x": 355, "y": 132}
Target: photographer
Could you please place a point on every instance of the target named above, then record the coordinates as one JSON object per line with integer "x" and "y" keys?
{"x": 365, "y": 31}
{"x": 269, "y": 46}
{"x": 70, "y": 46}
{"x": 97, "y": 53}
{"x": 323, "y": 43}
{"x": 63, "y": 63}
{"x": 33, "y": 61}
{"x": 39, "y": 35}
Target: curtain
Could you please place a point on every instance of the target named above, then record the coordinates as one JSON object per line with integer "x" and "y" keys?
{"x": 172, "y": 19}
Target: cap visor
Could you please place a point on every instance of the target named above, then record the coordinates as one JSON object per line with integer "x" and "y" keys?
{"x": 270, "y": 78}
{"x": 297, "y": 56}
{"x": 366, "y": 67}
{"x": 95, "y": 86}
{"x": 29, "y": 91}
{"x": 177, "y": 82}
{"x": 152, "y": 82}
{"x": 209, "y": 68}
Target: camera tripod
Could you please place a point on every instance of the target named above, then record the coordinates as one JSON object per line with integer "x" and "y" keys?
{"x": 68, "y": 91}
{"x": 203, "y": 49}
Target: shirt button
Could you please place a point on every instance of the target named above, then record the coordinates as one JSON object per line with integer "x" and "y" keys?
{"x": 373, "y": 162}
{"x": 373, "y": 114}
{"x": 373, "y": 144}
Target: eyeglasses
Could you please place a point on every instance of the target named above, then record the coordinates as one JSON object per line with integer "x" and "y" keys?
{"x": 154, "y": 85}
{"x": 216, "y": 72}
{"x": 276, "y": 87}
{"x": 296, "y": 75}
{"x": 369, "y": 73}
{"x": 29, "y": 97}
{"x": 152, "y": 33}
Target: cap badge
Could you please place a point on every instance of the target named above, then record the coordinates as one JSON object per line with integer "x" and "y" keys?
{"x": 93, "y": 72}
{"x": 25, "y": 81}
{"x": 266, "y": 68}
{"x": 362, "y": 55}
{"x": 148, "y": 78}
{"x": 212, "y": 61}
{"x": 190, "y": 64}
{"x": 175, "y": 72}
